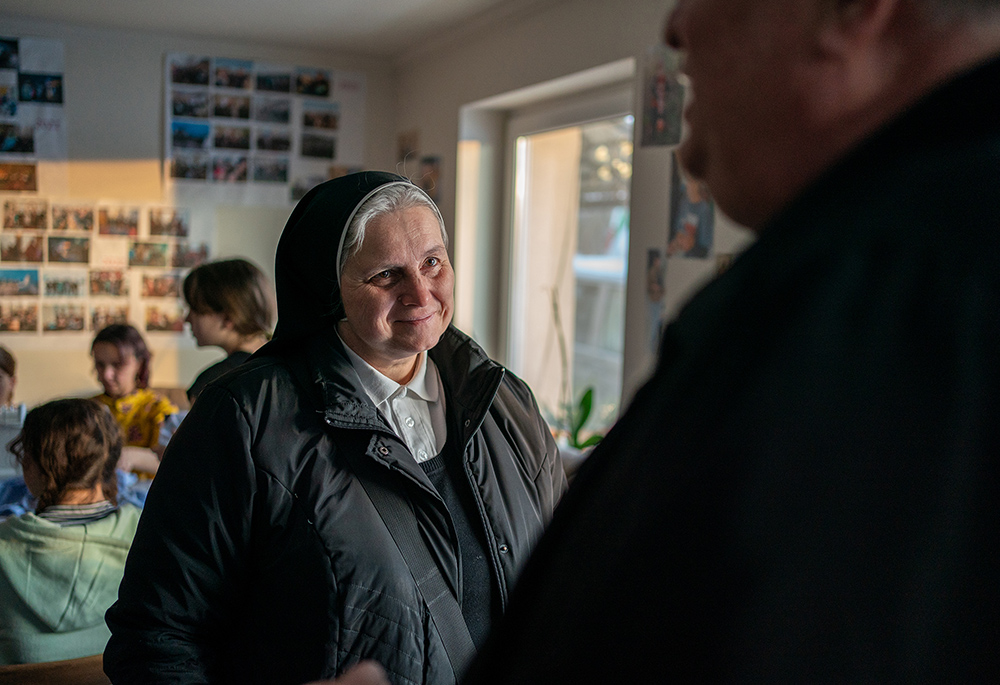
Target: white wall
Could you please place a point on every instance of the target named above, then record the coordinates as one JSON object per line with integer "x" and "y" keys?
{"x": 114, "y": 112}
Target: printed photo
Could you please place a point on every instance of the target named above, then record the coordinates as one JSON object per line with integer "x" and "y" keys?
{"x": 268, "y": 170}
{"x": 663, "y": 98}
{"x": 69, "y": 250}
{"x": 314, "y": 145}
{"x": 186, "y": 255}
{"x": 21, "y": 247}
{"x": 232, "y": 106}
{"x": 321, "y": 115}
{"x": 193, "y": 167}
{"x": 8, "y": 99}
{"x": 31, "y": 214}
{"x": 272, "y": 110}
{"x": 65, "y": 283}
{"x": 18, "y": 177}
{"x": 63, "y": 317}
{"x": 147, "y": 254}
{"x": 233, "y": 73}
{"x": 9, "y": 54}
{"x": 185, "y": 103}
{"x": 170, "y": 221}
{"x": 19, "y": 318}
{"x": 15, "y": 138}
{"x": 273, "y": 80}
{"x": 102, "y": 315}
{"x": 109, "y": 282}
{"x": 229, "y": 169}
{"x": 312, "y": 82}
{"x": 429, "y": 175}
{"x": 232, "y": 137}
{"x": 70, "y": 218}
{"x": 161, "y": 285}
{"x": 189, "y": 69}
{"x": 278, "y": 141}
{"x": 18, "y": 282}
{"x": 43, "y": 88}
{"x": 692, "y": 216}
{"x": 118, "y": 221}
{"x": 164, "y": 317}
{"x": 185, "y": 135}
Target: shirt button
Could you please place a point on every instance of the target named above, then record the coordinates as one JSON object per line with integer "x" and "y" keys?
{"x": 422, "y": 454}
{"x": 503, "y": 549}
{"x": 409, "y": 421}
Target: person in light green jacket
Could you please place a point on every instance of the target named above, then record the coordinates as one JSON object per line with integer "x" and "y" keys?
{"x": 60, "y": 566}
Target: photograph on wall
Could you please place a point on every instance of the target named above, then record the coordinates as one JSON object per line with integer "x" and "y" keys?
{"x": 15, "y": 177}
{"x": 148, "y": 254}
{"x": 18, "y": 318}
{"x": 270, "y": 169}
{"x": 8, "y": 53}
{"x": 109, "y": 253}
{"x": 72, "y": 218}
{"x": 161, "y": 285}
{"x": 187, "y": 255}
{"x": 118, "y": 221}
{"x": 231, "y": 106}
{"x": 188, "y": 69}
{"x": 21, "y": 247}
{"x": 229, "y": 168}
{"x": 187, "y": 103}
{"x": 233, "y": 73}
{"x": 108, "y": 282}
{"x": 662, "y": 97}
{"x": 17, "y": 138}
{"x": 29, "y": 214}
{"x": 272, "y": 110}
{"x": 428, "y": 176}
{"x": 170, "y": 221}
{"x": 186, "y": 135}
{"x": 315, "y": 145}
{"x": 63, "y": 317}
{"x": 325, "y": 115}
{"x": 65, "y": 283}
{"x": 41, "y": 88}
{"x": 231, "y": 138}
{"x": 692, "y": 216}
{"x": 273, "y": 79}
{"x": 274, "y": 140}
{"x": 315, "y": 82}
{"x": 188, "y": 166}
{"x": 18, "y": 282}
{"x": 69, "y": 250}
{"x": 102, "y": 315}
{"x": 164, "y": 317}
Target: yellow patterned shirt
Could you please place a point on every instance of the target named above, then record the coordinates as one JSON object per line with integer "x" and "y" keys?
{"x": 140, "y": 415}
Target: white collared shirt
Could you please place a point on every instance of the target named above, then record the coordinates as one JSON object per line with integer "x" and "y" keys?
{"x": 415, "y": 411}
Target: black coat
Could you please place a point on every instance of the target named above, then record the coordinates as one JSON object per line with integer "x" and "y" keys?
{"x": 260, "y": 558}
{"x": 806, "y": 490}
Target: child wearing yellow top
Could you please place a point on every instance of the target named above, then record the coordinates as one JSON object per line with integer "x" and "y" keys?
{"x": 121, "y": 360}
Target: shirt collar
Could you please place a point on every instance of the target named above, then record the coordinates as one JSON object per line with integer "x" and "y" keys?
{"x": 380, "y": 387}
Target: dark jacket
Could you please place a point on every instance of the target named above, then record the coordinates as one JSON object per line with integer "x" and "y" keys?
{"x": 260, "y": 557}
{"x": 806, "y": 490}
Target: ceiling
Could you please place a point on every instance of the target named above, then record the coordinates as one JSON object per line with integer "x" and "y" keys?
{"x": 366, "y": 27}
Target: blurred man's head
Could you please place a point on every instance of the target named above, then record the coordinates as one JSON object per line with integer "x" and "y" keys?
{"x": 783, "y": 88}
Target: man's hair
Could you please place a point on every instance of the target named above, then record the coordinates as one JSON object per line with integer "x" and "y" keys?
{"x": 127, "y": 339}
{"x": 74, "y": 444}
{"x": 389, "y": 199}
{"x": 236, "y": 289}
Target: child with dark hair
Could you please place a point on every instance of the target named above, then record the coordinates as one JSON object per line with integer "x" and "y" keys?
{"x": 231, "y": 305}
{"x": 60, "y": 566}
{"x": 122, "y": 361}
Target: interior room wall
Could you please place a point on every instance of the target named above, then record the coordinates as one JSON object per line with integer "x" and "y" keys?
{"x": 114, "y": 113}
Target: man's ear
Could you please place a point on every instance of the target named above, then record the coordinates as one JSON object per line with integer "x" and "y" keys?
{"x": 849, "y": 25}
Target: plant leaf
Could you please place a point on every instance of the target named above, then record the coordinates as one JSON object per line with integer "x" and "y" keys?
{"x": 584, "y": 407}
{"x": 591, "y": 441}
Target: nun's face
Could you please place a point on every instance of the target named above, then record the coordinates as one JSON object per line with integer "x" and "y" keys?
{"x": 397, "y": 292}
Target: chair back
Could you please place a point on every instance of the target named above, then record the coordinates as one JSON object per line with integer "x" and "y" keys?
{"x": 88, "y": 670}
